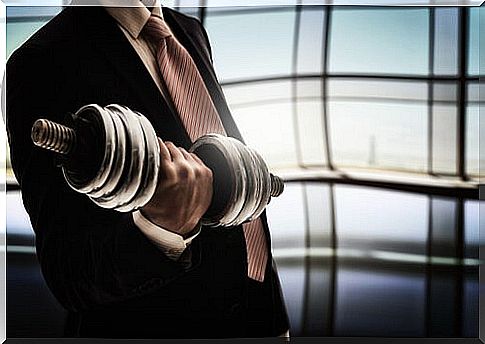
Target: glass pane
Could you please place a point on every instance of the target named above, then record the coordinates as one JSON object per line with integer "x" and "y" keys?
{"x": 251, "y": 45}
{"x": 476, "y": 93}
{"x": 444, "y": 128}
{"x": 310, "y": 41}
{"x": 309, "y": 89}
{"x": 250, "y": 94}
{"x": 269, "y": 128}
{"x": 311, "y": 132}
{"x": 288, "y": 232}
{"x": 379, "y": 135}
{"x": 191, "y": 11}
{"x": 445, "y": 92}
{"x": 377, "y": 89}
{"x": 473, "y": 211}
{"x": 380, "y": 302}
{"x": 19, "y": 32}
{"x": 23, "y": 21}
{"x": 475, "y": 130}
{"x": 33, "y": 11}
{"x": 225, "y": 5}
{"x": 474, "y": 165}
{"x": 379, "y": 41}
{"x": 319, "y": 296}
{"x": 375, "y": 219}
{"x": 443, "y": 240}
{"x": 319, "y": 214}
{"x": 288, "y": 242}
{"x": 446, "y": 41}
{"x": 473, "y": 41}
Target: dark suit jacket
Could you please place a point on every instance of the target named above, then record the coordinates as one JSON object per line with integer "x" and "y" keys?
{"x": 113, "y": 281}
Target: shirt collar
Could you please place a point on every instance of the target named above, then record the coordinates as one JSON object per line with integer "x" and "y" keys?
{"x": 134, "y": 17}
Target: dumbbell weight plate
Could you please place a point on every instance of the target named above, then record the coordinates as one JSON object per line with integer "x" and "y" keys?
{"x": 116, "y": 167}
{"x": 151, "y": 166}
{"x": 233, "y": 156}
{"x": 264, "y": 183}
{"x": 136, "y": 156}
{"x": 90, "y": 113}
{"x": 247, "y": 165}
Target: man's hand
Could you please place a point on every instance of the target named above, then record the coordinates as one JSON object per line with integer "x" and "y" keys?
{"x": 184, "y": 190}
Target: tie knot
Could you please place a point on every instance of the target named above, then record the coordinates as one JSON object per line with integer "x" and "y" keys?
{"x": 157, "y": 29}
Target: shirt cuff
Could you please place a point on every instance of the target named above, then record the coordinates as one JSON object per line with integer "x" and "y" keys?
{"x": 172, "y": 244}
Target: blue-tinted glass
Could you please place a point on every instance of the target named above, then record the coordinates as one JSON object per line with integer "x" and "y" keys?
{"x": 251, "y": 45}
{"x": 32, "y": 11}
{"x": 22, "y": 22}
{"x": 474, "y": 39}
{"x": 191, "y": 11}
{"x": 446, "y": 41}
{"x": 18, "y": 33}
{"x": 379, "y": 41}
{"x": 187, "y": 3}
{"x": 310, "y": 40}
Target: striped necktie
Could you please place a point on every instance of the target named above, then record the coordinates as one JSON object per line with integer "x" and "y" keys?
{"x": 199, "y": 117}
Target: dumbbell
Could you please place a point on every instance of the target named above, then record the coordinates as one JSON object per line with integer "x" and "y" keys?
{"x": 112, "y": 155}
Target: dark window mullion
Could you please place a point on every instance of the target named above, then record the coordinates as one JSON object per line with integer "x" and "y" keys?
{"x": 326, "y": 45}
{"x": 432, "y": 23}
{"x": 202, "y": 10}
{"x": 462, "y": 67}
{"x": 332, "y": 305}
{"x": 294, "y": 95}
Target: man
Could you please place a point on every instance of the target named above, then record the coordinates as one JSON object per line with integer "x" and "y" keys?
{"x": 154, "y": 273}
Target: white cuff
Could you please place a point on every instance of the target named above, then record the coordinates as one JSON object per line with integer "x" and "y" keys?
{"x": 172, "y": 244}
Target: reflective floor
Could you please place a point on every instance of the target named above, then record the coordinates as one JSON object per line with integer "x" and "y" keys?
{"x": 353, "y": 261}
{"x": 396, "y": 270}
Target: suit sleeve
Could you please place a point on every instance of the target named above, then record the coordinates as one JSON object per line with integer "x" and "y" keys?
{"x": 89, "y": 256}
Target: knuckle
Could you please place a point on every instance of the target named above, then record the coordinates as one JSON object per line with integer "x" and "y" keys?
{"x": 184, "y": 170}
{"x": 207, "y": 171}
{"x": 169, "y": 172}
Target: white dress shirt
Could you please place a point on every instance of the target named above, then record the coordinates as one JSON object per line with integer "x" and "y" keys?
{"x": 131, "y": 21}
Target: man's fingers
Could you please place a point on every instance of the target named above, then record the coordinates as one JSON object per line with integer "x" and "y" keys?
{"x": 174, "y": 151}
{"x": 196, "y": 158}
{"x": 164, "y": 152}
{"x": 186, "y": 154}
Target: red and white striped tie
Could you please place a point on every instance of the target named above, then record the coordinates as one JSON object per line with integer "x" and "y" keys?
{"x": 199, "y": 116}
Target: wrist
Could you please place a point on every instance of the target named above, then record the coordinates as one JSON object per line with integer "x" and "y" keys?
{"x": 185, "y": 230}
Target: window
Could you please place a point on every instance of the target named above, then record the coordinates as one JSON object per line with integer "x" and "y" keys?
{"x": 379, "y": 41}
{"x": 251, "y": 44}
{"x": 341, "y": 87}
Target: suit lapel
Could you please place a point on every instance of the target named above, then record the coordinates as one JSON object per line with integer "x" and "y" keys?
{"x": 106, "y": 37}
